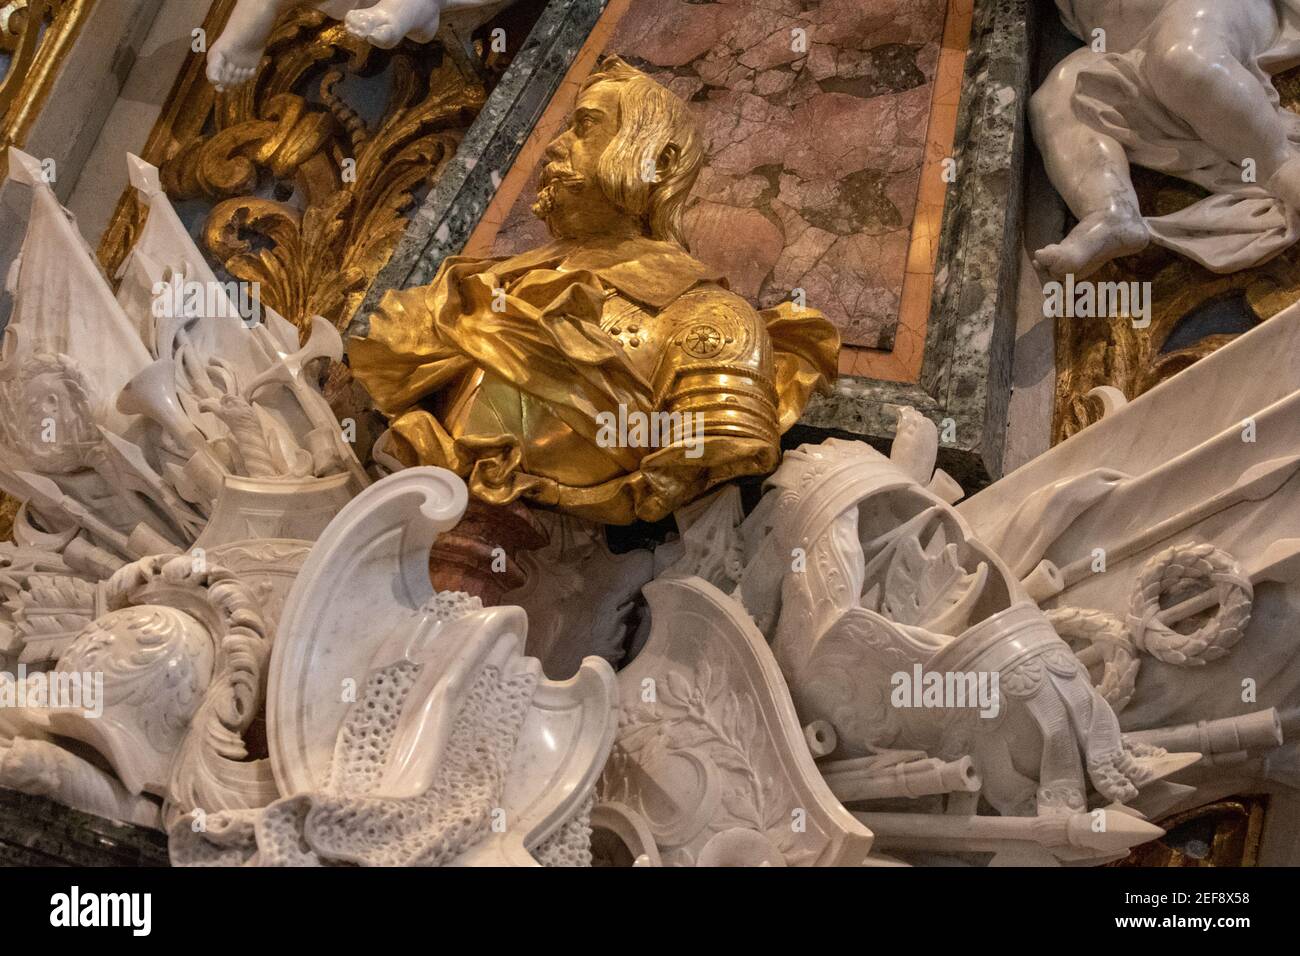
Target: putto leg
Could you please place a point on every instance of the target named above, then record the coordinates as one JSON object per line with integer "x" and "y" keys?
{"x": 233, "y": 58}
{"x": 386, "y": 23}
{"x": 1091, "y": 172}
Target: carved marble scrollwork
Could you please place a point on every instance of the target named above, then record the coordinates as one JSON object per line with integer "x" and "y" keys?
{"x": 209, "y": 769}
{"x": 178, "y": 654}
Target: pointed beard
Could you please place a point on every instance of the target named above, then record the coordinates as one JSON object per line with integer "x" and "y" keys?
{"x": 544, "y": 207}
{"x": 556, "y": 179}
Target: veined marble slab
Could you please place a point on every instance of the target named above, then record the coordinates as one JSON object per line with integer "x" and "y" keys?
{"x": 815, "y": 116}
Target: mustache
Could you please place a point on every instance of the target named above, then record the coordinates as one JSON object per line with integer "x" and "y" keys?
{"x": 560, "y": 174}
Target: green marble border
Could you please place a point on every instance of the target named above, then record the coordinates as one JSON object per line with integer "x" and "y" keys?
{"x": 966, "y": 368}
{"x": 36, "y": 831}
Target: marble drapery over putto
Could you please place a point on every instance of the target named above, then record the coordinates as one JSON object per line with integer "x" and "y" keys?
{"x": 1242, "y": 223}
{"x": 525, "y": 354}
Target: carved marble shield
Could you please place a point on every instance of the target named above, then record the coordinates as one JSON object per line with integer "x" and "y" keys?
{"x": 709, "y": 750}
{"x": 364, "y": 602}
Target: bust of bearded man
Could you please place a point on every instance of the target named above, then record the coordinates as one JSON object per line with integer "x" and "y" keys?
{"x": 511, "y": 371}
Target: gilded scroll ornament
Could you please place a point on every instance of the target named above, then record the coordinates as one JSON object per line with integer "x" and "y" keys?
{"x": 306, "y": 196}
{"x": 608, "y": 373}
{"x": 36, "y": 35}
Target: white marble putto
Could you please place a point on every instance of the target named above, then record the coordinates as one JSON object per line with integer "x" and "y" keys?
{"x": 234, "y": 56}
{"x": 1183, "y": 87}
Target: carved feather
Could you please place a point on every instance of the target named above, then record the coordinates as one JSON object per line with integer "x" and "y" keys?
{"x": 928, "y": 587}
{"x": 49, "y": 612}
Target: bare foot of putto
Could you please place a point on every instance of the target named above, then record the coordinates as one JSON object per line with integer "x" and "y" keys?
{"x": 1095, "y": 241}
{"x": 386, "y": 23}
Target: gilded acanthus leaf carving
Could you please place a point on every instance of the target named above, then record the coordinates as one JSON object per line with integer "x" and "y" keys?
{"x": 341, "y": 186}
{"x": 308, "y": 180}
{"x": 296, "y": 267}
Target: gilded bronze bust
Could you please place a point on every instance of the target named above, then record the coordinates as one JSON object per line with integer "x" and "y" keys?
{"x": 607, "y": 373}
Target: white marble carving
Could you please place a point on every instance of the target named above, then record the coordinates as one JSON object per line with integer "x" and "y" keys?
{"x": 234, "y": 56}
{"x": 882, "y": 589}
{"x": 1183, "y": 87}
{"x": 379, "y": 685}
{"x": 580, "y": 597}
{"x": 1116, "y": 613}
{"x": 44, "y": 769}
{"x": 163, "y": 418}
{"x": 175, "y": 459}
{"x": 176, "y": 656}
{"x": 710, "y": 758}
{"x": 1175, "y": 556}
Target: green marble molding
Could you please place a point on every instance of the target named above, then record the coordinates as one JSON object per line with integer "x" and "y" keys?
{"x": 35, "y": 831}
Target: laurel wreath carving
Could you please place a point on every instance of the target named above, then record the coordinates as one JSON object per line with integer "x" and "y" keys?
{"x": 1110, "y": 656}
{"x": 1182, "y": 569}
{"x": 1112, "y": 645}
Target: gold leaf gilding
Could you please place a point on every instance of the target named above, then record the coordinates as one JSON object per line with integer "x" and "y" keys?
{"x": 305, "y": 196}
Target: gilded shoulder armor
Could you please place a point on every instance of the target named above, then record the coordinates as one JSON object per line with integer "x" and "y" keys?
{"x": 718, "y": 361}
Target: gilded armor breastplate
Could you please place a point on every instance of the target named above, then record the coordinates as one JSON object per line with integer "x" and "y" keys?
{"x": 703, "y": 354}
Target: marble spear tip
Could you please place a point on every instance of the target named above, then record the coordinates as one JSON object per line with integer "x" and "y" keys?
{"x": 143, "y": 175}
{"x": 1166, "y": 765}
{"x": 1120, "y": 831}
